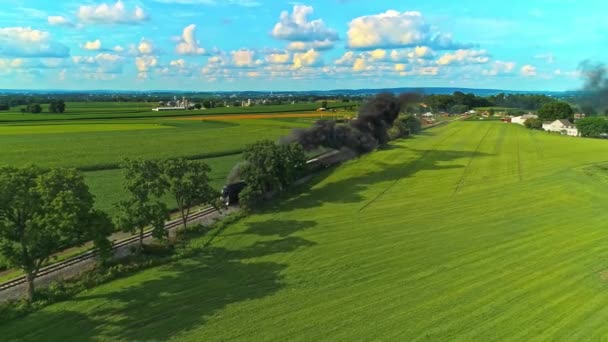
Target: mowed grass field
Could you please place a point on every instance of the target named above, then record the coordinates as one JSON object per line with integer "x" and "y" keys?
{"x": 472, "y": 231}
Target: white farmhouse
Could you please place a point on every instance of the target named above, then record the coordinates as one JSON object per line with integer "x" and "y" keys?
{"x": 520, "y": 120}
{"x": 561, "y": 126}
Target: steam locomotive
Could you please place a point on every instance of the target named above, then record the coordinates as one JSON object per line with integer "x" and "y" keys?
{"x": 230, "y": 192}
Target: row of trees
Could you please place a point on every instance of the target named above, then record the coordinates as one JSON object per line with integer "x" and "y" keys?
{"x": 44, "y": 211}
{"x": 460, "y": 102}
{"x": 55, "y": 106}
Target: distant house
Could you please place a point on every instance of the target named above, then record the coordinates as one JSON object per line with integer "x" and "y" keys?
{"x": 520, "y": 120}
{"x": 579, "y": 116}
{"x": 428, "y": 115}
{"x": 561, "y": 126}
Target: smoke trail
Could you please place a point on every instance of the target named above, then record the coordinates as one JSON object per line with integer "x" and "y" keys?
{"x": 361, "y": 135}
{"x": 595, "y": 90}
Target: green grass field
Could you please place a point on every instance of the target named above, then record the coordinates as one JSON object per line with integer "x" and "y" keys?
{"x": 471, "y": 231}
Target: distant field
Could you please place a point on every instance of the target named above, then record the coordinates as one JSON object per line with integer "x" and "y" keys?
{"x": 109, "y": 110}
{"x": 89, "y": 145}
{"x": 97, "y": 146}
{"x": 76, "y": 128}
{"x": 473, "y": 231}
{"x": 328, "y": 115}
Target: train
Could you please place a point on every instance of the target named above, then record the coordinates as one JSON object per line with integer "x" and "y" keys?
{"x": 230, "y": 192}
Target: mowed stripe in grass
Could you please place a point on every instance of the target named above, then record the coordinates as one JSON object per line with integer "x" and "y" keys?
{"x": 469, "y": 232}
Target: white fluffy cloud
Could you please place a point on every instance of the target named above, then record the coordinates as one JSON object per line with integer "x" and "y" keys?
{"x": 188, "y": 45}
{"x": 464, "y": 57}
{"x": 179, "y": 63}
{"x": 244, "y": 58}
{"x": 306, "y": 59}
{"x": 321, "y": 45}
{"x": 297, "y": 27}
{"x": 101, "y": 63}
{"x": 27, "y": 42}
{"x": 528, "y": 70}
{"x": 499, "y": 68}
{"x": 394, "y": 29}
{"x": 278, "y": 58}
{"x": 145, "y": 47}
{"x": 93, "y": 45}
{"x": 144, "y": 64}
{"x": 58, "y": 20}
{"x": 115, "y": 13}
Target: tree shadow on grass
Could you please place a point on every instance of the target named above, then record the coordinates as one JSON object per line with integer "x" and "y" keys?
{"x": 186, "y": 293}
{"x": 280, "y": 228}
{"x": 349, "y": 190}
{"x": 39, "y": 326}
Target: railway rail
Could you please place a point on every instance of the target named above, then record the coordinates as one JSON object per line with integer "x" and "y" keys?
{"x": 92, "y": 253}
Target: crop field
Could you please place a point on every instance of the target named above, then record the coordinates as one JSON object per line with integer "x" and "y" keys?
{"x": 97, "y": 146}
{"x": 130, "y": 110}
{"x": 471, "y": 231}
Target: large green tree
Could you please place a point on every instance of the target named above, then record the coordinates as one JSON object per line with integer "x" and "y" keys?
{"x": 43, "y": 211}
{"x": 34, "y": 108}
{"x": 270, "y": 167}
{"x": 145, "y": 185}
{"x": 592, "y": 126}
{"x": 57, "y": 106}
{"x": 188, "y": 182}
{"x": 555, "y": 111}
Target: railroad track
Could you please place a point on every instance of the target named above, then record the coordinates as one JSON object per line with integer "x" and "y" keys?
{"x": 92, "y": 254}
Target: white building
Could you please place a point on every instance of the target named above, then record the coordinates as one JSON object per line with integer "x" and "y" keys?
{"x": 520, "y": 120}
{"x": 561, "y": 126}
{"x": 182, "y": 104}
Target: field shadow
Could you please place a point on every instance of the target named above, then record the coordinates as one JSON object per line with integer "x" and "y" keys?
{"x": 187, "y": 293}
{"x": 349, "y": 190}
{"x": 22, "y": 330}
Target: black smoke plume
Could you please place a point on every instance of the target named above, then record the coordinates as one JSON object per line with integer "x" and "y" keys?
{"x": 595, "y": 90}
{"x": 362, "y": 135}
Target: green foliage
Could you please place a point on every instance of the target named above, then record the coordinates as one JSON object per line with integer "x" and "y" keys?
{"x": 145, "y": 185}
{"x": 43, "y": 211}
{"x": 4, "y": 106}
{"x": 459, "y": 109}
{"x": 57, "y": 106}
{"x": 555, "y": 110}
{"x": 188, "y": 182}
{"x": 534, "y": 123}
{"x": 592, "y": 126}
{"x": 404, "y": 126}
{"x": 34, "y": 108}
{"x": 271, "y": 167}
{"x": 525, "y": 101}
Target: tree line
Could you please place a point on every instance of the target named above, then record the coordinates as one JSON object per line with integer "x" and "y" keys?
{"x": 460, "y": 102}
{"x": 43, "y": 211}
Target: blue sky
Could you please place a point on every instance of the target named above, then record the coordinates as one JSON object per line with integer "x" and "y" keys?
{"x": 284, "y": 45}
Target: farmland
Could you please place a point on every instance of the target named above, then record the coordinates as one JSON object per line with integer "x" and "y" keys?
{"x": 131, "y": 110}
{"x": 471, "y": 231}
{"x": 95, "y": 143}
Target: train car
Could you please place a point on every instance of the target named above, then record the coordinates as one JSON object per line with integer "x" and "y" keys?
{"x": 230, "y": 192}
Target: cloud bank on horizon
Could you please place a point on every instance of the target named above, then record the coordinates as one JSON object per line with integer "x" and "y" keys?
{"x": 275, "y": 45}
